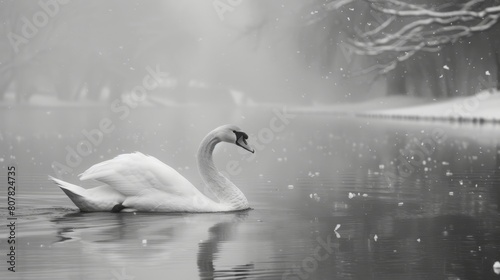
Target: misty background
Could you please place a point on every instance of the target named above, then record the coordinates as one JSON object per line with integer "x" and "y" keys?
{"x": 244, "y": 52}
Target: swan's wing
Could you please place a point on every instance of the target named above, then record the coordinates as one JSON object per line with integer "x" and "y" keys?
{"x": 137, "y": 174}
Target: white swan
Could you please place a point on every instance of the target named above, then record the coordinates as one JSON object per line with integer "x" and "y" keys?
{"x": 138, "y": 182}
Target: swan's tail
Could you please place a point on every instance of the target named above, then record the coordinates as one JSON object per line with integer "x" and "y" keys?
{"x": 74, "y": 192}
{"x": 102, "y": 198}
{"x": 70, "y": 189}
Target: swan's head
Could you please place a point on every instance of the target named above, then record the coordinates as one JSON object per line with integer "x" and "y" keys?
{"x": 233, "y": 134}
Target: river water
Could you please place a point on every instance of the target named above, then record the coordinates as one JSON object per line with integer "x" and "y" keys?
{"x": 333, "y": 197}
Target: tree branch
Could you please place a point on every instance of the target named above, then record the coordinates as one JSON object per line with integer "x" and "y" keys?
{"x": 417, "y": 27}
{"x": 419, "y": 12}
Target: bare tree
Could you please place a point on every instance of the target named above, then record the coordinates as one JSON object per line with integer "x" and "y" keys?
{"x": 419, "y": 47}
{"x": 402, "y": 29}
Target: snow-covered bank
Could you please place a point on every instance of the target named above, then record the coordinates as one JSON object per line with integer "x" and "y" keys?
{"x": 482, "y": 107}
{"x": 479, "y": 108}
{"x": 386, "y": 102}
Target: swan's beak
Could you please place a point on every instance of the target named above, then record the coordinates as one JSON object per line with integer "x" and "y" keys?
{"x": 242, "y": 142}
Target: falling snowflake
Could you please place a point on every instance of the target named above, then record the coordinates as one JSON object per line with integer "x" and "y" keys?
{"x": 496, "y": 268}
{"x": 314, "y": 196}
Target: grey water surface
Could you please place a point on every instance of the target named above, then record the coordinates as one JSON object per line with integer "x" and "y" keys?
{"x": 333, "y": 198}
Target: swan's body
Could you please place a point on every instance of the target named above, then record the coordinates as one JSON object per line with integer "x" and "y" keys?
{"x": 138, "y": 182}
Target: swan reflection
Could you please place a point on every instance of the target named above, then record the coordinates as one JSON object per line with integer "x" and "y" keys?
{"x": 157, "y": 239}
{"x": 208, "y": 250}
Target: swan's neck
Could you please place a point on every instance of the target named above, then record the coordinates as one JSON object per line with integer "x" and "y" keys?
{"x": 227, "y": 193}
